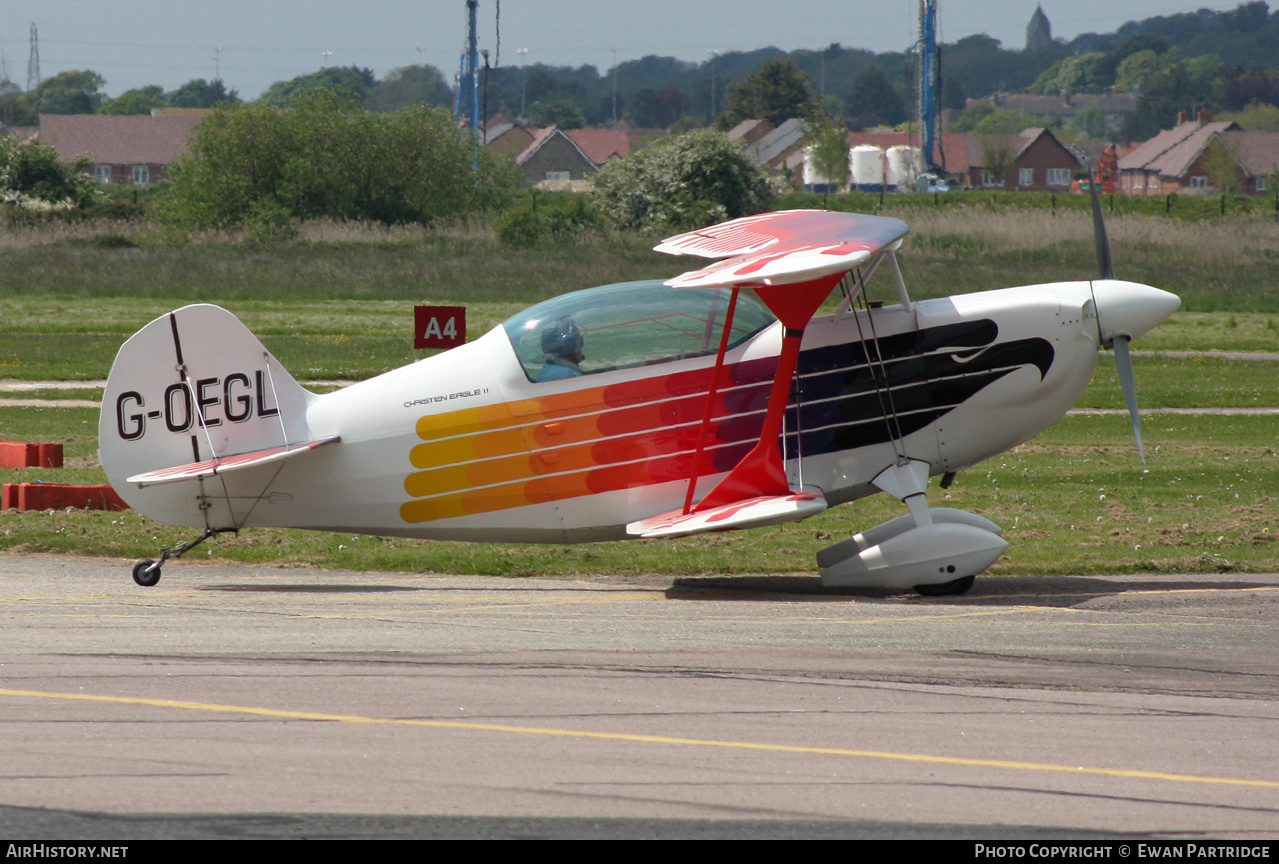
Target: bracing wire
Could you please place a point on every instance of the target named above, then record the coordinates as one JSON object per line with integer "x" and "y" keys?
{"x": 878, "y": 371}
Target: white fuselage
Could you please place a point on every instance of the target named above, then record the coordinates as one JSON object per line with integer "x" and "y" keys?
{"x": 463, "y": 446}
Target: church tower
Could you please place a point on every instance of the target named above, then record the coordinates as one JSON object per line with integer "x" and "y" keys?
{"x": 1039, "y": 33}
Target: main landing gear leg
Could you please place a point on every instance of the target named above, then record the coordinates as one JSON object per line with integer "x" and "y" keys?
{"x": 147, "y": 572}
{"x": 934, "y": 551}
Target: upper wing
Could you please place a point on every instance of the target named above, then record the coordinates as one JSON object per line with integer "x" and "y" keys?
{"x": 782, "y": 248}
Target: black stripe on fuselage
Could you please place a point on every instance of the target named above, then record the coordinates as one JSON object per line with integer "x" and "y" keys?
{"x": 848, "y": 389}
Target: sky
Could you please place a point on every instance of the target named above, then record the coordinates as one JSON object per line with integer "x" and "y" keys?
{"x": 133, "y": 43}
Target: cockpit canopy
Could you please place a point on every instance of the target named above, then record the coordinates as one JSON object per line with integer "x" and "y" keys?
{"x": 631, "y": 324}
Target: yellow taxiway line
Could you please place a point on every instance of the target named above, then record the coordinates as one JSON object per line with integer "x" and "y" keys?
{"x": 648, "y": 739}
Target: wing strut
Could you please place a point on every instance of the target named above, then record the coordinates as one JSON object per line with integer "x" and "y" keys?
{"x": 792, "y": 260}
{"x": 710, "y": 398}
{"x": 761, "y": 472}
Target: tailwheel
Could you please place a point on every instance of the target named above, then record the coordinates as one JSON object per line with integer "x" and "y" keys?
{"x": 953, "y": 588}
{"x": 146, "y": 572}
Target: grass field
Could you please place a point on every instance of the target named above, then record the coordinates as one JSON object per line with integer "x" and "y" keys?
{"x": 337, "y": 304}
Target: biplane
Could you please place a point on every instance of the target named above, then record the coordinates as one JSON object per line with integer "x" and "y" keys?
{"x": 715, "y": 400}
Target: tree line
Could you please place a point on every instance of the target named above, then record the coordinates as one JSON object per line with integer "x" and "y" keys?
{"x": 1223, "y": 61}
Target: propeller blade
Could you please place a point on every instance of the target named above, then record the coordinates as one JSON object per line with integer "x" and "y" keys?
{"x": 1105, "y": 265}
{"x": 1123, "y": 361}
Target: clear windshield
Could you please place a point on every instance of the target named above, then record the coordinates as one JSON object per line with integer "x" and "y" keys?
{"x": 627, "y": 325}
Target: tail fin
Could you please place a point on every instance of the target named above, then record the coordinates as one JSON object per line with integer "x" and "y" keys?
{"x": 187, "y": 393}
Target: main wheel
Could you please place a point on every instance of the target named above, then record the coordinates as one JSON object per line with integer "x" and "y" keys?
{"x": 947, "y": 589}
{"x": 146, "y": 572}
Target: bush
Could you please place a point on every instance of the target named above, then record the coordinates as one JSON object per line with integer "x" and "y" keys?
{"x": 684, "y": 181}
{"x": 32, "y": 180}
{"x": 267, "y": 167}
{"x": 549, "y": 218}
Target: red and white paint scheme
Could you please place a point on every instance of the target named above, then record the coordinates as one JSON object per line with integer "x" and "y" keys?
{"x": 715, "y": 400}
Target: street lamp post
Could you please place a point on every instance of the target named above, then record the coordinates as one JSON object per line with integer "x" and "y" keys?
{"x": 614, "y": 85}
{"x": 713, "y": 54}
{"x": 523, "y": 77}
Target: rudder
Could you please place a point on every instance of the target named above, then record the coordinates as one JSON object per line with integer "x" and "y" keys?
{"x": 193, "y": 385}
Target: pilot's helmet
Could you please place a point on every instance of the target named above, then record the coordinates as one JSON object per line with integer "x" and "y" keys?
{"x": 561, "y": 338}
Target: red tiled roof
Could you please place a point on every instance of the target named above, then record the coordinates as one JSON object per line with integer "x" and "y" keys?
{"x": 600, "y": 145}
{"x": 1172, "y": 151}
{"x": 118, "y": 140}
{"x": 1258, "y": 151}
{"x": 1178, "y": 159}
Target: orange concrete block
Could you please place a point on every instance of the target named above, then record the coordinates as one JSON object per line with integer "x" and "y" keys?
{"x": 20, "y": 454}
{"x": 59, "y": 496}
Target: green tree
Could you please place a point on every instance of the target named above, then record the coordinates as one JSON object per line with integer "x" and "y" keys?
{"x": 15, "y": 108}
{"x": 830, "y": 153}
{"x": 1163, "y": 95}
{"x": 328, "y": 157}
{"x": 874, "y": 101}
{"x": 1264, "y": 118}
{"x": 1222, "y": 167}
{"x": 1088, "y": 73}
{"x": 1005, "y": 123}
{"x": 657, "y": 109}
{"x": 558, "y": 112}
{"x": 32, "y": 178}
{"x": 998, "y": 156}
{"x": 283, "y": 94}
{"x": 1134, "y": 69}
{"x": 137, "y": 101}
{"x": 776, "y": 93}
{"x": 1089, "y": 122}
{"x": 71, "y": 92}
{"x": 971, "y": 117}
{"x": 683, "y": 181}
{"x": 408, "y": 86}
{"x": 198, "y": 93}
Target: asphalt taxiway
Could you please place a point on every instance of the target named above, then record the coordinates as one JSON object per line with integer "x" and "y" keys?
{"x": 242, "y": 701}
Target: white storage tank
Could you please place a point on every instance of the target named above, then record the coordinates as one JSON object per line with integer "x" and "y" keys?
{"x": 867, "y": 164}
{"x": 905, "y": 163}
{"x": 814, "y": 180}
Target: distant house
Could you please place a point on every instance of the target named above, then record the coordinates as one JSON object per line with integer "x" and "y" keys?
{"x": 750, "y": 131}
{"x": 1039, "y": 162}
{"x": 1175, "y": 160}
{"x": 1258, "y": 154}
{"x": 601, "y": 145}
{"x": 132, "y": 149}
{"x": 776, "y": 147}
{"x": 22, "y": 133}
{"x": 553, "y": 155}
{"x": 508, "y": 138}
{"x": 1114, "y": 107}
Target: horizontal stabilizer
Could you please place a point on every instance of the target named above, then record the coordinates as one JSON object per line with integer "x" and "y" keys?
{"x": 227, "y": 464}
{"x": 747, "y": 513}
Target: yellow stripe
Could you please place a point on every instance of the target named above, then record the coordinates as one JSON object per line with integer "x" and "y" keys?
{"x": 651, "y": 739}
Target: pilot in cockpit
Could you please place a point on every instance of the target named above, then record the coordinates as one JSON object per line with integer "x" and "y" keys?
{"x": 562, "y": 344}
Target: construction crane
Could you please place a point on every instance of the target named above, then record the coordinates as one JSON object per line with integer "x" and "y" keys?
{"x": 467, "y": 106}
{"x": 926, "y": 49}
